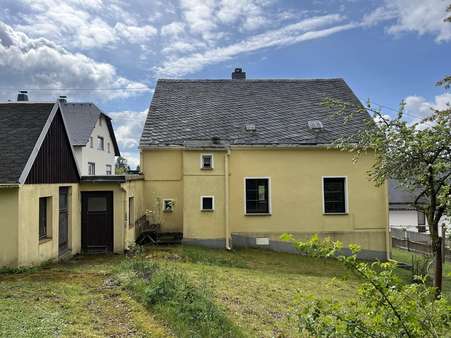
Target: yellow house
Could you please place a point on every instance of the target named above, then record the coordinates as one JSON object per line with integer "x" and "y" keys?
{"x": 238, "y": 162}
{"x": 49, "y": 211}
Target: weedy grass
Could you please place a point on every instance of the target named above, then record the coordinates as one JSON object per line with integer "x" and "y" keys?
{"x": 182, "y": 291}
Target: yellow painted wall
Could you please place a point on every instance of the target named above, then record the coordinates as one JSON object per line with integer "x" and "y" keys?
{"x": 196, "y": 183}
{"x": 296, "y": 193}
{"x": 8, "y": 226}
{"x": 31, "y": 250}
{"x": 163, "y": 180}
{"x": 134, "y": 189}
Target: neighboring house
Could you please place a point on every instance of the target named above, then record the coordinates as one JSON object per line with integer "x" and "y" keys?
{"x": 403, "y": 213}
{"x": 48, "y": 209}
{"x": 240, "y": 162}
{"x": 92, "y": 136}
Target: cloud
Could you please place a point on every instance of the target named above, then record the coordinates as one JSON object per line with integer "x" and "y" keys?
{"x": 419, "y": 107}
{"x": 84, "y": 24}
{"x": 128, "y": 126}
{"x": 174, "y": 29}
{"x": 308, "y": 29}
{"x": 39, "y": 63}
{"x": 420, "y": 16}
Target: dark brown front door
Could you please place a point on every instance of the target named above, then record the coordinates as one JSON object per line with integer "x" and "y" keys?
{"x": 63, "y": 220}
{"x": 97, "y": 222}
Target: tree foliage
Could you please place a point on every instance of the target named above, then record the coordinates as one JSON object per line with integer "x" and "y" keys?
{"x": 417, "y": 154}
{"x": 385, "y": 306}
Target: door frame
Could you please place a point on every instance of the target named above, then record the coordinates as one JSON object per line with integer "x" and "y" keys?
{"x": 67, "y": 212}
{"x": 84, "y": 222}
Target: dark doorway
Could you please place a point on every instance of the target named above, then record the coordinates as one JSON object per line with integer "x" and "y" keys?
{"x": 97, "y": 222}
{"x": 63, "y": 220}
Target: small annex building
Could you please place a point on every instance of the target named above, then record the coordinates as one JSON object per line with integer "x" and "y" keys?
{"x": 48, "y": 210}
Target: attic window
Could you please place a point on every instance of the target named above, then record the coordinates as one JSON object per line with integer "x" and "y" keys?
{"x": 315, "y": 125}
{"x": 206, "y": 161}
{"x": 250, "y": 127}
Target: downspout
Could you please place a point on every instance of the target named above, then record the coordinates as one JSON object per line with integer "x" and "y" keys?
{"x": 226, "y": 208}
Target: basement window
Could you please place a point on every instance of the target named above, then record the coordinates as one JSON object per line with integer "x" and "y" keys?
{"x": 168, "y": 205}
{"x": 207, "y": 203}
{"x": 257, "y": 196}
{"x": 206, "y": 161}
{"x": 335, "y": 195}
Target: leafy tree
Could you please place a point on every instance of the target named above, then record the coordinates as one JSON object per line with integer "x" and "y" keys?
{"x": 384, "y": 307}
{"x": 121, "y": 166}
{"x": 417, "y": 155}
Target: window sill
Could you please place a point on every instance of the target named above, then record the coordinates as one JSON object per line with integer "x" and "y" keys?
{"x": 335, "y": 213}
{"x": 208, "y": 169}
{"x": 206, "y": 210}
{"x": 257, "y": 214}
{"x": 168, "y": 211}
{"x": 45, "y": 240}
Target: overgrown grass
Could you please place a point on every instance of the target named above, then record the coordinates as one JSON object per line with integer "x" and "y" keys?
{"x": 167, "y": 291}
{"x": 182, "y": 290}
{"x": 406, "y": 257}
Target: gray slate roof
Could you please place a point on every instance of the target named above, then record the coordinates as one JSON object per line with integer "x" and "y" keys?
{"x": 20, "y": 127}
{"x": 191, "y": 112}
{"x": 81, "y": 119}
{"x": 400, "y": 198}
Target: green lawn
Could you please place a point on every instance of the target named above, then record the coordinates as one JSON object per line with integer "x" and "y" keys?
{"x": 406, "y": 257}
{"x": 85, "y": 297}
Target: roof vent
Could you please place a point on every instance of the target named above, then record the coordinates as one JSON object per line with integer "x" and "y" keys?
{"x": 22, "y": 96}
{"x": 250, "y": 127}
{"x": 315, "y": 125}
{"x": 215, "y": 140}
{"x": 238, "y": 74}
{"x": 62, "y": 99}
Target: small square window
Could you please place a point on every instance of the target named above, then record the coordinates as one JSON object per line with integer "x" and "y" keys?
{"x": 207, "y": 203}
{"x": 206, "y": 161}
{"x": 100, "y": 143}
{"x": 168, "y": 205}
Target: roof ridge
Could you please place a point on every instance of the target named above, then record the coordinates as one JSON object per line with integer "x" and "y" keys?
{"x": 253, "y": 80}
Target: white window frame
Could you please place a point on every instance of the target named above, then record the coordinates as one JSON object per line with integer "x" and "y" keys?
{"x": 110, "y": 167}
{"x": 202, "y": 161}
{"x": 212, "y": 203}
{"x": 94, "y": 167}
{"x": 346, "y": 196}
{"x": 103, "y": 143}
{"x": 269, "y": 213}
{"x": 164, "y": 203}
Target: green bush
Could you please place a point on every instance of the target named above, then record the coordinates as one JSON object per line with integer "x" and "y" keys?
{"x": 385, "y": 305}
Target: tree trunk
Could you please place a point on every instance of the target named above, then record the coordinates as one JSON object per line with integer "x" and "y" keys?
{"x": 437, "y": 247}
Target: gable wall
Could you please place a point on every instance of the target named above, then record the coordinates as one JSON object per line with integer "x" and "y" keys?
{"x": 99, "y": 157}
{"x": 54, "y": 162}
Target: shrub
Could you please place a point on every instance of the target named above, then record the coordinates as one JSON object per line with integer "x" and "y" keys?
{"x": 384, "y": 307}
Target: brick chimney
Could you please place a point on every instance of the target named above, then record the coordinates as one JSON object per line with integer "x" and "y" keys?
{"x": 238, "y": 74}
